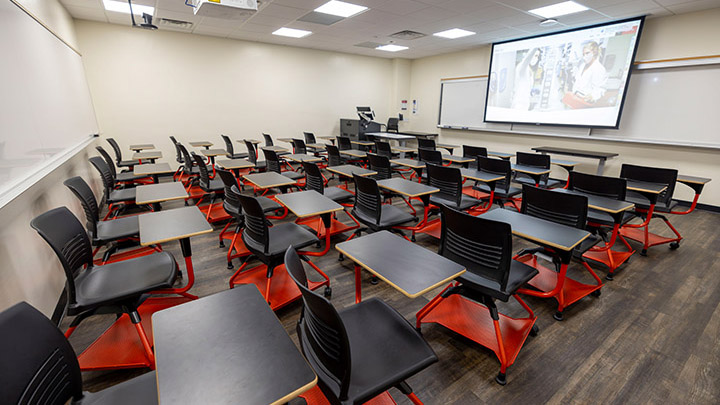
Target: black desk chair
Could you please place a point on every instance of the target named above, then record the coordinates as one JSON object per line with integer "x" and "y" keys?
{"x": 429, "y": 156}
{"x": 178, "y": 158}
{"x": 115, "y": 234}
{"x": 298, "y": 146}
{"x": 117, "y": 199}
{"x": 647, "y": 210}
{"x": 535, "y": 160}
{"x": 127, "y": 179}
{"x": 118, "y": 154}
{"x": 383, "y": 148}
{"x": 268, "y": 244}
{"x": 231, "y": 149}
{"x": 334, "y": 157}
{"x": 260, "y": 165}
{"x": 569, "y": 210}
{"x": 268, "y": 139}
{"x": 314, "y": 181}
{"x": 484, "y": 247}
{"x": 372, "y": 213}
{"x": 45, "y": 369}
{"x": 189, "y": 170}
{"x": 310, "y": 139}
{"x": 354, "y": 366}
{"x": 473, "y": 152}
{"x": 212, "y": 188}
{"x": 275, "y": 165}
{"x": 343, "y": 143}
{"x": 380, "y": 164}
{"x": 599, "y": 221}
{"x": 504, "y": 191}
{"x": 424, "y": 143}
{"x": 115, "y": 288}
{"x": 393, "y": 125}
{"x": 449, "y": 181}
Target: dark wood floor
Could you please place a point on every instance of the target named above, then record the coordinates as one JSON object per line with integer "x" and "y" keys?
{"x": 652, "y": 337}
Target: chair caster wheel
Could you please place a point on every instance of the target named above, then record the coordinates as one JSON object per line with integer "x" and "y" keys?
{"x": 230, "y": 266}
{"x": 222, "y": 244}
{"x": 374, "y": 280}
{"x": 500, "y": 379}
{"x": 643, "y": 252}
{"x": 328, "y": 292}
{"x": 317, "y": 245}
{"x": 418, "y": 330}
{"x": 534, "y": 331}
{"x": 341, "y": 257}
{"x": 596, "y": 293}
{"x": 674, "y": 245}
{"x": 412, "y": 238}
{"x": 558, "y": 316}
{"x": 415, "y": 219}
{"x": 610, "y": 277}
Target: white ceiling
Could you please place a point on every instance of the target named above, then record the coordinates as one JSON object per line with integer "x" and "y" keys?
{"x": 493, "y": 21}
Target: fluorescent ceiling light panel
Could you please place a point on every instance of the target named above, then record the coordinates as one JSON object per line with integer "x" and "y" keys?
{"x": 556, "y": 10}
{"x": 391, "y": 48}
{"x": 123, "y": 7}
{"x": 454, "y": 33}
{"x": 340, "y": 8}
{"x": 291, "y": 32}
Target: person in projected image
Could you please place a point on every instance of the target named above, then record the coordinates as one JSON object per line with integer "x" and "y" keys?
{"x": 591, "y": 76}
{"x": 526, "y": 73}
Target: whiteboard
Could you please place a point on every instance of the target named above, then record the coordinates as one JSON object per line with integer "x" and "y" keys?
{"x": 46, "y": 111}
{"x": 462, "y": 103}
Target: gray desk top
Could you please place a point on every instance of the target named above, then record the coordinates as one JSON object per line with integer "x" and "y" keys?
{"x": 168, "y": 225}
{"x": 234, "y": 163}
{"x": 387, "y": 135}
{"x": 252, "y": 141}
{"x": 406, "y": 187}
{"x": 529, "y": 169}
{"x": 316, "y": 145}
{"x": 301, "y": 157}
{"x": 349, "y": 170}
{"x": 152, "y": 168}
{"x": 308, "y": 203}
{"x": 692, "y": 179}
{"x": 354, "y": 153}
{"x": 147, "y": 155}
{"x": 363, "y": 143}
{"x": 480, "y": 175}
{"x": 409, "y": 268}
{"x": 142, "y": 146}
{"x": 575, "y": 152}
{"x": 153, "y": 193}
{"x": 564, "y": 163}
{"x": 214, "y": 152}
{"x": 599, "y": 203}
{"x": 274, "y": 148}
{"x": 501, "y": 155}
{"x": 200, "y": 144}
{"x": 288, "y": 140}
{"x": 269, "y": 180}
{"x": 645, "y": 187}
{"x": 446, "y": 145}
{"x": 539, "y": 230}
{"x": 457, "y": 159}
{"x": 228, "y": 347}
{"x": 415, "y": 164}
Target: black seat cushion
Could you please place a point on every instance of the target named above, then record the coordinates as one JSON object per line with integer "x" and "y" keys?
{"x": 390, "y": 216}
{"x": 282, "y": 236}
{"x": 126, "y": 163}
{"x": 129, "y": 176}
{"x": 465, "y": 202}
{"x": 126, "y": 279}
{"x": 337, "y": 194}
{"x": 215, "y": 185}
{"x": 520, "y": 274}
{"x": 124, "y": 194}
{"x": 389, "y": 355}
{"x": 293, "y": 175}
{"x": 117, "y": 229}
{"x": 499, "y": 193}
{"x": 140, "y": 390}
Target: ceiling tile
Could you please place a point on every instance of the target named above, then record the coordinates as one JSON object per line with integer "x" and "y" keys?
{"x": 83, "y": 3}
{"x": 177, "y": 6}
{"x": 465, "y": 6}
{"x": 261, "y": 19}
{"x": 276, "y": 10}
{"x": 87, "y": 13}
{"x": 694, "y": 6}
{"x": 399, "y": 7}
{"x": 637, "y": 7}
{"x": 162, "y": 13}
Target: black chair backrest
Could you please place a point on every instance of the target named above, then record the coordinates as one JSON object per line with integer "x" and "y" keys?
{"x": 252, "y": 153}
{"x": 367, "y": 197}
{"x": 299, "y": 146}
{"x": 204, "y": 180}
{"x": 256, "y": 228}
{"x": 392, "y": 124}
{"x": 44, "y": 369}
{"x": 426, "y": 144}
{"x": 447, "y": 179}
{"x": 383, "y": 148}
{"x": 343, "y": 143}
{"x": 67, "y": 237}
{"x": 228, "y": 145}
{"x": 84, "y": 193}
{"x": 535, "y": 160}
{"x": 321, "y": 326}
{"x": 178, "y": 154}
{"x": 231, "y": 203}
{"x": 105, "y": 174}
{"x": 268, "y": 139}
{"x": 188, "y": 162}
{"x": 609, "y": 187}
{"x": 116, "y": 148}
{"x": 470, "y": 151}
{"x": 108, "y": 160}
{"x": 649, "y": 174}
{"x": 496, "y": 166}
{"x": 313, "y": 177}
{"x": 273, "y": 161}
{"x": 430, "y": 156}
{"x": 380, "y": 164}
{"x": 566, "y": 209}
{"x": 483, "y": 246}
{"x": 309, "y": 137}
{"x": 334, "y": 158}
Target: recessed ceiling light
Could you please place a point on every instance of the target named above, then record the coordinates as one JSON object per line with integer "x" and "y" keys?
{"x": 548, "y": 22}
{"x": 556, "y": 10}
{"x": 123, "y": 7}
{"x": 291, "y": 32}
{"x": 340, "y": 8}
{"x": 454, "y": 33}
{"x": 391, "y": 48}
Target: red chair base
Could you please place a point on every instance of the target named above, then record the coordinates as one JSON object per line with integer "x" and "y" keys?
{"x": 638, "y": 235}
{"x": 433, "y": 228}
{"x": 316, "y": 224}
{"x": 470, "y": 191}
{"x": 282, "y": 288}
{"x": 216, "y": 212}
{"x": 120, "y": 346}
{"x": 611, "y": 258}
{"x": 473, "y": 320}
{"x": 238, "y": 247}
{"x": 315, "y": 396}
{"x": 195, "y": 192}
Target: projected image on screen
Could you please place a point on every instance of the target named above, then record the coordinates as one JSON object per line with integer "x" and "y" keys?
{"x": 575, "y": 77}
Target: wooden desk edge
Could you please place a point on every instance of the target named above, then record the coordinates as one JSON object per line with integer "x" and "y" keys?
{"x": 162, "y": 200}
{"x": 157, "y": 242}
{"x": 291, "y": 182}
{"x": 544, "y": 242}
{"x": 642, "y": 190}
{"x": 396, "y": 161}
{"x": 700, "y": 180}
{"x": 340, "y": 208}
{"x": 595, "y": 207}
{"x": 297, "y": 392}
{"x": 331, "y": 169}
{"x": 408, "y": 194}
{"x": 483, "y": 180}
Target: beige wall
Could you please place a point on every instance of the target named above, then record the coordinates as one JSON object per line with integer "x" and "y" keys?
{"x": 149, "y": 85}
{"x": 54, "y": 16}
{"x": 690, "y": 34}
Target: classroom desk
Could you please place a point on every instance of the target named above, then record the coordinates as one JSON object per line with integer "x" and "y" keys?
{"x": 151, "y": 156}
{"x": 288, "y": 140}
{"x": 418, "y": 134}
{"x": 201, "y": 144}
{"x": 276, "y": 149}
{"x": 269, "y": 180}
{"x": 600, "y": 156}
{"x": 235, "y": 164}
{"x": 501, "y": 155}
{"x": 252, "y": 141}
{"x": 402, "y": 139}
{"x": 407, "y": 267}
{"x": 457, "y": 159}
{"x": 349, "y": 170}
{"x": 318, "y": 147}
{"x": 562, "y": 240}
{"x": 228, "y": 347}
{"x": 141, "y": 147}
{"x": 447, "y": 146}
{"x": 354, "y": 153}
{"x": 303, "y": 157}
{"x": 212, "y": 153}
{"x": 363, "y": 143}
{"x": 534, "y": 172}
{"x": 156, "y": 193}
{"x": 416, "y": 165}
{"x": 410, "y": 189}
{"x": 153, "y": 170}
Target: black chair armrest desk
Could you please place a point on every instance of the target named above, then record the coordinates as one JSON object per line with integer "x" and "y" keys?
{"x": 153, "y": 170}
{"x": 600, "y": 156}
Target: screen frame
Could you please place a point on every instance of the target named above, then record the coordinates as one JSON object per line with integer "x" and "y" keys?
{"x": 641, "y": 19}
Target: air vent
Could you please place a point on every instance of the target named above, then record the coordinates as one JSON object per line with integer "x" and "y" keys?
{"x": 407, "y": 35}
{"x": 179, "y": 24}
{"x": 372, "y": 45}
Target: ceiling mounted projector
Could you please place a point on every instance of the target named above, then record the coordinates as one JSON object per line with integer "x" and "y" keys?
{"x": 227, "y": 9}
